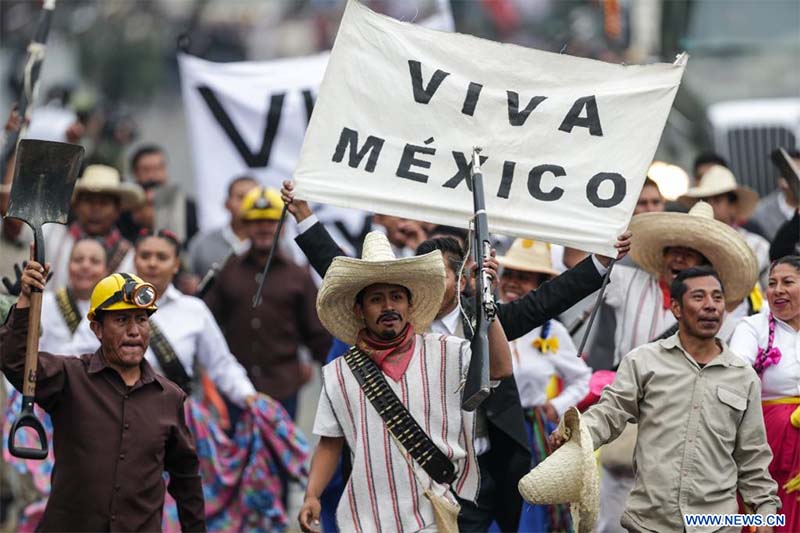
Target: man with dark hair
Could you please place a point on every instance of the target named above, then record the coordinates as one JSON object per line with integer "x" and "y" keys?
{"x": 458, "y": 234}
{"x": 679, "y": 287}
{"x": 691, "y": 391}
{"x": 99, "y": 200}
{"x": 117, "y": 425}
{"x": 664, "y": 244}
{"x": 166, "y": 205}
{"x": 266, "y": 339}
{"x": 395, "y": 359}
{"x": 216, "y": 245}
{"x": 502, "y": 442}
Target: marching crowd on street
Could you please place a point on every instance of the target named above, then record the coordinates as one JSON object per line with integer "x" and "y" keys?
{"x": 170, "y": 401}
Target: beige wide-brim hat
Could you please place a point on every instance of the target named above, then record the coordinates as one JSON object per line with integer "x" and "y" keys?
{"x": 724, "y": 248}
{"x": 568, "y": 475}
{"x": 423, "y": 275}
{"x": 529, "y": 256}
{"x": 719, "y": 180}
{"x": 103, "y": 179}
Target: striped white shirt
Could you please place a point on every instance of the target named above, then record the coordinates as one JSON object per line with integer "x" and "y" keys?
{"x": 638, "y": 302}
{"x": 383, "y": 493}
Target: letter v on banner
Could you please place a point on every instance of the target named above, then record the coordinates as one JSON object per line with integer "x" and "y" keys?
{"x": 273, "y": 119}
{"x": 246, "y": 118}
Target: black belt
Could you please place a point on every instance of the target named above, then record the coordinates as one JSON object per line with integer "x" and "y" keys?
{"x": 398, "y": 420}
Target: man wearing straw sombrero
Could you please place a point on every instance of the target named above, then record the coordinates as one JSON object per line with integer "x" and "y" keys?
{"x": 395, "y": 397}
{"x": 701, "y": 440}
{"x": 100, "y": 197}
{"x": 732, "y": 204}
{"x": 663, "y": 245}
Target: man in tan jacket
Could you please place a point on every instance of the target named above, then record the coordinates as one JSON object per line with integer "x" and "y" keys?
{"x": 701, "y": 432}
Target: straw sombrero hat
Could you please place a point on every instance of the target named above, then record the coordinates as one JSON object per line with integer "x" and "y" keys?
{"x": 719, "y": 180}
{"x": 724, "y": 248}
{"x": 106, "y": 180}
{"x": 529, "y": 256}
{"x": 568, "y": 475}
{"x": 423, "y": 275}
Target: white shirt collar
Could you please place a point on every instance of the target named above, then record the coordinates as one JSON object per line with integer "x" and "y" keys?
{"x": 238, "y": 245}
{"x": 450, "y": 321}
{"x": 785, "y": 208}
{"x": 171, "y": 294}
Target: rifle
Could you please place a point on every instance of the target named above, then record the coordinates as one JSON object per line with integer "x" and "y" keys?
{"x": 476, "y": 388}
{"x": 30, "y": 79}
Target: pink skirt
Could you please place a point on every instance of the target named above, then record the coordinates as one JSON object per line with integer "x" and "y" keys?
{"x": 784, "y": 439}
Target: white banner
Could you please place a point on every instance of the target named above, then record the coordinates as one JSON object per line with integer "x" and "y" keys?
{"x": 250, "y": 118}
{"x": 566, "y": 141}
{"x": 245, "y": 118}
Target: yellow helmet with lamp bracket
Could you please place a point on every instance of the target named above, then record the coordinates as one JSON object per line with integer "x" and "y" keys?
{"x": 261, "y": 203}
{"x": 121, "y": 291}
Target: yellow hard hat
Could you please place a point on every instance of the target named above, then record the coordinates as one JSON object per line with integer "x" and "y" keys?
{"x": 122, "y": 291}
{"x": 261, "y": 203}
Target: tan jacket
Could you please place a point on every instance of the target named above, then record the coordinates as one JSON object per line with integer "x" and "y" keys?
{"x": 701, "y": 435}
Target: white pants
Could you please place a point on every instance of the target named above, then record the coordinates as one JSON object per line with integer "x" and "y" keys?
{"x": 614, "y": 491}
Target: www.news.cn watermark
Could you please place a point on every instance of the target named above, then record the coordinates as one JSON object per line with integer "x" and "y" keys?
{"x": 734, "y": 520}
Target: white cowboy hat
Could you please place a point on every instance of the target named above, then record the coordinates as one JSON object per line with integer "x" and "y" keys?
{"x": 724, "y": 248}
{"x": 103, "y": 179}
{"x": 423, "y": 276}
{"x": 568, "y": 475}
{"x": 529, "y": 256}
{"x": 719, "y": 180}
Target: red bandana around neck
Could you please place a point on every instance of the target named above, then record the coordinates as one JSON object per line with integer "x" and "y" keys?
{"x": 666, "y": 299}
{"x": 109, "y": 241}
{"x": 392, "y": 356}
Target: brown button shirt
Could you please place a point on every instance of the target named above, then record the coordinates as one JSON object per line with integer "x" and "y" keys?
{"x": 111, "y": 442}
{"x": 265, "y": 340}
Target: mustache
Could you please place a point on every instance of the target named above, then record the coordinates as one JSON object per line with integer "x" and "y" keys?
{"x": 388, "y": 315}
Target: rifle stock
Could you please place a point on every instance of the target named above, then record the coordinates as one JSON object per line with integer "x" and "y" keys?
{"x": 476, "y": 388}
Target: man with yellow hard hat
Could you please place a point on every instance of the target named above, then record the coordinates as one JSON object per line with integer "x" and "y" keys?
{"x": 266, "y": 339}
{"x": 117, "y": 425}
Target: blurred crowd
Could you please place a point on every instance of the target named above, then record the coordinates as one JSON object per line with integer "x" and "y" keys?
{"x": 229, "y": 351}
{"x": 244, "y": 366}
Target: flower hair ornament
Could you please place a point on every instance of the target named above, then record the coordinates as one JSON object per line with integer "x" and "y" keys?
{"x": 545, "y": 344}
{"x": 769, "y": 356}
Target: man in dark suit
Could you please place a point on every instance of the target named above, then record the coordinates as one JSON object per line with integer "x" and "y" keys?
{"x": 507, "y": 457}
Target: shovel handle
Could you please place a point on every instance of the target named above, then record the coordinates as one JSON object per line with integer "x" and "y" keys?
{"x": 32, "y": 345}
{"x": 29, "y": 420}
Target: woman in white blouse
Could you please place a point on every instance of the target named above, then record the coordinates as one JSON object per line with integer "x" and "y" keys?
{"x": 65, "y": 328}
{"x": 542, "y": 357}
{"x": 771, "y": 343}
{"x": 186, "y": 323}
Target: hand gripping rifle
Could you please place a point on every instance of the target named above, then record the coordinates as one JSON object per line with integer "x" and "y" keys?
{"x": 476, "y": 388}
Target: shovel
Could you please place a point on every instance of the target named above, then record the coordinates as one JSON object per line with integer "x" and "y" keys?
{"x": 44, "y": 176}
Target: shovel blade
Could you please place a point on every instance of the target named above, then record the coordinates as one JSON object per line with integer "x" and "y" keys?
{"x": 44, "y": 177}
